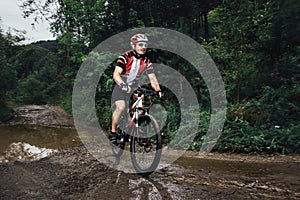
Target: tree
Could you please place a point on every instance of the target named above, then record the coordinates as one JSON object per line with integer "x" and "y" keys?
{"x": 7, "y": 70}
{"x": 240, "y": 31}
{"x": 254, "y": 43}
{"x": 38, "y": 70}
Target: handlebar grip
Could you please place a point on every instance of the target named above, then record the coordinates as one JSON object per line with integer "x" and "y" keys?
{"x": 144, "y": 91}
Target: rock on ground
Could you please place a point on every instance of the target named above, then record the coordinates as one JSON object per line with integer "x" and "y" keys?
{"x": 43, "y": 115}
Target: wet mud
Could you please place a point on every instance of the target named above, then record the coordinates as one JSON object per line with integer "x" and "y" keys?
{"x": 43, "y": 115}
{"x": 75, "y": 174}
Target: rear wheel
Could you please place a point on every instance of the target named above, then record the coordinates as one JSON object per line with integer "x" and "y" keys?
{"x": 145, "y": 146}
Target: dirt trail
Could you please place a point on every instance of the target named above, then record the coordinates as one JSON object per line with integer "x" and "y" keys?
{"x": 75, "y": 174}
{"x": 43, "y": 115}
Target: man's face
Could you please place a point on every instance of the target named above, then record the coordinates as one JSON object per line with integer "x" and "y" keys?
{"x": 141, "y": 48}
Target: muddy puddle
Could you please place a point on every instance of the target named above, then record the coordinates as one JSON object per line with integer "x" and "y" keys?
{"x": 32, "y": 142}
{"x": 73, "y": 173}
{"x": 236, "y": 167}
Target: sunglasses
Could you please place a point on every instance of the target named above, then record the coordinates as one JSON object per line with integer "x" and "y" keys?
{"x": 142, "y": 45}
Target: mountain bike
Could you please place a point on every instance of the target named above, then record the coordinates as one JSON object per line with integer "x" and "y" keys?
{"x": 141, "y": 130}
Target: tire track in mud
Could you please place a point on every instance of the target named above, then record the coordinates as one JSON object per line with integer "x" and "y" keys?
{"x": 76, "y": 174}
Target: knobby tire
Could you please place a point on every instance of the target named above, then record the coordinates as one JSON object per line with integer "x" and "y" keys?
{"x": 155, "y": 152}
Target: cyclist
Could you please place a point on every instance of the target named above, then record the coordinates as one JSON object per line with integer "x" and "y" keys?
{"x": 130, "y": 65}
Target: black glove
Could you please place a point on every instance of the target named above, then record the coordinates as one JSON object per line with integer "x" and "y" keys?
{"x": 125, "y": 87}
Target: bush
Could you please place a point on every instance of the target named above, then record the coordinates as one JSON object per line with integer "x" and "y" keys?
{"x": 248, "y": 130}
{"x": 5, "y": 111}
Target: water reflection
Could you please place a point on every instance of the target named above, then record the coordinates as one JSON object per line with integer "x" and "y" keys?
{"x": 29, "y": 142}
{"x": 25, "y": 152}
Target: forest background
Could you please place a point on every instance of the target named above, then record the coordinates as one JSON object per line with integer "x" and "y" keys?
{"x": 255, "y": 45}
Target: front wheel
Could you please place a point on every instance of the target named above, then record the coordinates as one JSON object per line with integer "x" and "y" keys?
{"x": 146, "y": 145}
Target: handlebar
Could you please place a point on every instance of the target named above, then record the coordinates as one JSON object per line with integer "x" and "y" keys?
{"x": 143, "y": 91}
{"x": 140, "y": 91}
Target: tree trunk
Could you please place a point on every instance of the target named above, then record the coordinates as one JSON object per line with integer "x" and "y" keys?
{"x": 206, "y": 31}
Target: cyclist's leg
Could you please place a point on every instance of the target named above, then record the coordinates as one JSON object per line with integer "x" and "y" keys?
{"x": 118, "y": 98}
{"x": 120, "y": 107}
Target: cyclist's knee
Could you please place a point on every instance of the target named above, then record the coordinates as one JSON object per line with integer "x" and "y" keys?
{"x": 120, "y": 106}
{"x": 120, "y": 109}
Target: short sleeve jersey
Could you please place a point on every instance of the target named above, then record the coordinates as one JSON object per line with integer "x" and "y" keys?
{"x": 133, "y": 66}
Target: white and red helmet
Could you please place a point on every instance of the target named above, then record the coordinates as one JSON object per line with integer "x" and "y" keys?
{"x": 138, "y": 38}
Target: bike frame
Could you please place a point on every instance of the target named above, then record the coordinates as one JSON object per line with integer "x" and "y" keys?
{"x": 136, "y": 107}
{"x": 141, "y": 140}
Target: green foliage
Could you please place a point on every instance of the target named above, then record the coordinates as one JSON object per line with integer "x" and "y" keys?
{"x": 8, "y": 74}
{"x": 241, "y": 137}
{"x": 173, "y": 118}
{"x": 259, "y": 61}
{"x": 133, "y": 20}
{"x": 203, "y": 129}
{"x": 7, "y": 70}
{"x": 31, "y": 90}
{"x": 240, "y": 30}
{"x": 5, "y": 111}
{"x": 255, "y": 45}
{"x": 38, "y": 69}
{"x": 95, "y": 65}
{"x": 8, "y": 79}
{"x": 66, "y": 103}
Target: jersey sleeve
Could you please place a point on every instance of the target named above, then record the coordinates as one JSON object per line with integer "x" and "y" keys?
{"x": 122, "y": 61}
{"x": 149, "y": 68}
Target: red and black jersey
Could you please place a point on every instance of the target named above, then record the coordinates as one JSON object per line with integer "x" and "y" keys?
{"x": 133, "y": 66}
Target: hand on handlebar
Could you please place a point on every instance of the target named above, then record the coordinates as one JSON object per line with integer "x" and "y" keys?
{"x": 159, "y": 94}
{"x": 147, "y": 92}
{"x": 125, "y": 87}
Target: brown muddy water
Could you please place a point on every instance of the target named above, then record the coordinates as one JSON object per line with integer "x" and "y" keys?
{"x": 30, "y": 142}
{"x": 75, "y": 174}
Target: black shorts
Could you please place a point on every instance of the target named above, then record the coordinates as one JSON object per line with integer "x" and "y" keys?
{"x": 119, "y": 94}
